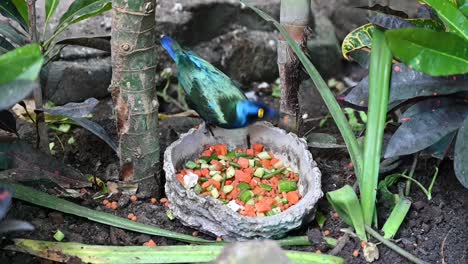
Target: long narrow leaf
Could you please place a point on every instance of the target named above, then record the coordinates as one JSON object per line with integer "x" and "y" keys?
{"x": 396, "y": 218}
{"x": 451, "y": 16}
{"x": 50, "y": 7}
{"x": 64, "y": 252}
{"x": 379, "y": 82}
{"x": 327, "y": 95}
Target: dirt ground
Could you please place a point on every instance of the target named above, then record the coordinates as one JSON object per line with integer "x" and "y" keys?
{"x": 435, "y": 230}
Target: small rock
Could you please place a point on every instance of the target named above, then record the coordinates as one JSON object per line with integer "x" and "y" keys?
{"x": 56, "y": 218}
{"x": 314, "y": 235}
{"x": 124, "y": 200}
{"x": 419, "y": 205}
{"x": 112, "y": 172}
{"x": 141, "y": 239}
{"x": 425, "y": 227}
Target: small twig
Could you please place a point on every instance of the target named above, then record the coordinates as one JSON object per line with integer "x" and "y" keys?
{"x": 393, "y": 247}
{"x": 340, "y": 245}
{"x": 413, "y": 168}
{"x": 442, "y": 253}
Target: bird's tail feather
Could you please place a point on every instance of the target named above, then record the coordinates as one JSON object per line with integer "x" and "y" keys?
{"x": 171, "y": 46}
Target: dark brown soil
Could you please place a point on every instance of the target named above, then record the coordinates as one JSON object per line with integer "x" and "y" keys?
{"x": 435, "y": 230}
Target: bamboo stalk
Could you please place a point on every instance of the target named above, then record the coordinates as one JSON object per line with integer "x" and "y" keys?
{"x": 41, "y": 128}
{"x": 134, "y": 92}
{"x": 295, "y": 16}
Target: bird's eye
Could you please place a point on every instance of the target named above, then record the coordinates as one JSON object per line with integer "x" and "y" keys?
{"x": 260, "y": 113}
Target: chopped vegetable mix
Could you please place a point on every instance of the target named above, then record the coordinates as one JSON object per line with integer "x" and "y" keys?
{"x": 250, "y": 181}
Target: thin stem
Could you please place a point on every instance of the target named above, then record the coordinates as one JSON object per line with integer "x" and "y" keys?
{"x": 394, "y": 247}
{"x": 413, "y": 168}
{"x": 425, "y": 191}
{"x": 436, "y": 173}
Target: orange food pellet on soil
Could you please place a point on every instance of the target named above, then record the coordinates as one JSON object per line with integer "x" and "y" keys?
{"x": 114, "y": 205}
{"x": 219, "y": 239}
{"x": 154, "y": 200}
{"x": 130, "y": 216}
{"x": 363, "y": 244}
{"x": 326, "y": 232}
{"x": 336, "y": 215}
{"x": 318, "y": 251}
{"x": 133, "y": 198}
{"x": 195, "y": 233}
{"x": 134, "y": 218}
{"x": 356, "y": 253}
{"x": 105, "y": 202}
{"x": 163, "y": 200}
{"x": 150, "y": 243}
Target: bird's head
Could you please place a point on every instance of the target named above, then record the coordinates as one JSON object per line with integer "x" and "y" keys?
{"x": 249, "y": 112}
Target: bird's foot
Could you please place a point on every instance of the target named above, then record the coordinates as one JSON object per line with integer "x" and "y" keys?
{"x": 209, "y": 130}
{"x": 248, "y": 141}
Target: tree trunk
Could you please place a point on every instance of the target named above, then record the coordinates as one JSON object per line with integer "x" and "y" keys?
{"x": 134, "y": 92}
{"x": 295, "y": 17}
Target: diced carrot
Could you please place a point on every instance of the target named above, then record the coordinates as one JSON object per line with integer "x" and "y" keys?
{"x": 274, "y": 161}
{"x": 258, "y": 147}
{"x": 253, "y": 182}
{"x": 220, "y": 149}
{"x": 228, "y": 182}
{"x": 218, "y": 165}
{"x": 250, "y": 152}
{"x": 262, "y": 207}
{"x": 205, "y": 172}
{"x": 266, "y": 164}
{"x": 243, "y": 162}
{"x": 216, "y": 184}
{"x": 206, "y": 194}
{"x": 269, "y": 201}
{"x": 243, "y": 177}
{"x": 207, "y": 153}
{"x": 180, "y": 178}
{"x": 257, "y": 190}
{"x": 206, "y": 184}
{"x": 249, "y": 210}
{"x": 271, "y": 155}
{"x": 249, "y": 171}
{"x": 198, "y": 172}
{"x": 293, "y": 197}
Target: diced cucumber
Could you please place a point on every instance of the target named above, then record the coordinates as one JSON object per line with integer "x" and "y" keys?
{"x": 260, "y": 214}
{"x": 250, "y": 202}
{"x": 214, "y": 173}
{"x": 198, "y": 189}
{"x": 266, "y": 187}
{"x": 284, "y": 200}
{"x": 217, "y": 177}
{"x": 241, "y": 154}
{"x": 201, "y": 161}
{"x": 263, "y": 155}
{"x": 230, "y": 172}
{"x": 223, "y": 162}
{"x": 205, "y": 166}
{"x": 278, "y": 165}
{"x": 209, "y": 188}
{"x": 243, "y": 186}
{"x": 203, "y": 179}
{"x": 214, "y": 193}
{"x": 287, "y": 186}
{"x": 191, "y": 165}
{"x": 276, "y": 210}
{"x": 246, "y": 195}
{"x": 221, "y": 157}
{"x": 227, "y": 189}
{"x": 278, "y": 200}
{"x": 213, "y": 167}
{"x": 235, "y": 165}
{"x": 251, "y": 163}
{"x": 259, "y": 172}
{"x": 231, "y": 155}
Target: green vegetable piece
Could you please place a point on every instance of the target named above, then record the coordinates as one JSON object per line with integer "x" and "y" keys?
{"x": 250, "y": 202}
{"x": 191, "y": 165}
{"x": 198, "y": 189}
{"x": 241, "y": 154}
{"x": 266, "y": 187}
{"x": 217, "y": 177}
{"x": 263, "y": 155}
{"x": 284, "y": 200}
{"x": 235, "y": 165}
{"x": 259, "y": 172}
{"x": 331, "y": 241}
{"x": 287, "y": 186}
{"x": 214, "y": 193}
{"x": 230, "y": 172}
{"x": 205, "y": 166}
{"x": 243, "y": 186}
{"x": 246, "y": 195}
{"x": 210, "y": 188}
{"x": 251, "y": 163}
{"x": 59, "y": 236}
{"x": 201, "y": 161}
{"x": 231, "y": 155}
{"x": 278, "y": 165}
{"x": 278, "y": 200}
{"x": 212, "y": 173}
{"x": 276, "y": 210}
{"x": 227, "y": 189}
{"x": 210, "y": 158}
{"x": 170, "y": 214}
{"x": 273, "y": 173}
{"x": 213, "y": 167}
{"x": 221, "y": 157}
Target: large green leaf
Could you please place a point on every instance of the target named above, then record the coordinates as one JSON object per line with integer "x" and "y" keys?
{"x": 396, "y": 218}
{"x": 464, "y": 9}
{"x": 83, "y": 9}
{"x": 425, "y": 129}
{"x": 452, "y": 17}
{"x": 8, "y": 9}
{"x": 361, "y": 37}
{"x": 20, "y": 68}
{"x": 407, "y": 84}
{"x": 428, "y": 51}
{"x": 11, "y": 35}
{"x": 22, "y": 7}
{"x": 461, "y": 154}
{"x": 50, "y": 7}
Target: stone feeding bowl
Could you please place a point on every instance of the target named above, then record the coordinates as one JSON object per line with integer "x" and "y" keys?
{"x": 211, "y": 215}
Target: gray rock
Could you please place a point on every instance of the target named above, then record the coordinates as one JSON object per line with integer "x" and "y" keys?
{"x": 210, "y": 215}
{"x": 254, "y": 252}
{"x": 75, "y": 81}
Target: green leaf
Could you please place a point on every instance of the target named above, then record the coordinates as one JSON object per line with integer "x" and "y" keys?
{"x": 50, "y": 7}
{"x": 461, "y": 154}
{"x": 13, "y": 36}
{"x": 22, "y": 7}
{"x": 8, "y": 9}
{"x": 452, "y": 17}
{"x": 327, "y": 95}
{"x": 361, "y": 37}
{"x": 396, "y": 218}
{"x": 346, "y": 204}
{"x": 83, "y": 9}
{"x": 20, "y": 68}
{"x": 143, "y": 254}
{"x": 379, "y": 89}
{"x": 428, "y": 51}
{"x": 464, "y": 9}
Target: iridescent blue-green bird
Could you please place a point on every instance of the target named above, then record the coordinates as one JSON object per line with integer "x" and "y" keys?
{"x": 212, "y": 94}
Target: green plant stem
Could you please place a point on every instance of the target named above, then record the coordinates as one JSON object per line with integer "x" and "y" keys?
{"x": 413, "y": 168}
{"x": 325, "y": 92}
{"x": 393, "y": 247}
{"x": 379, "y": 82}
{"x": 425, "y": 191}
{"x": 436, "y": 173}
